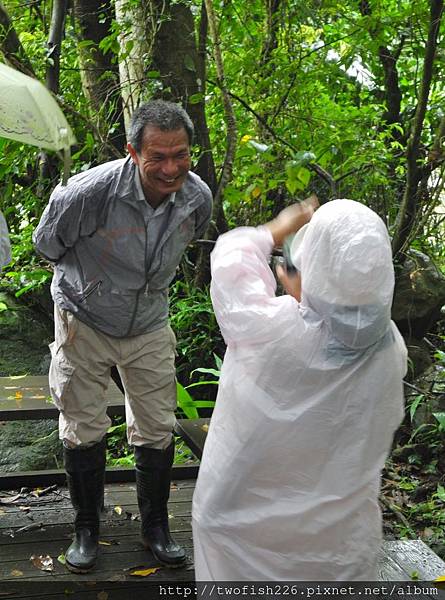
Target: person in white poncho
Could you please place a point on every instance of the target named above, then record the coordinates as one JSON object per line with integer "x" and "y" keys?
{"x": 5, "y": 246}
{"x": 310, "y": 396}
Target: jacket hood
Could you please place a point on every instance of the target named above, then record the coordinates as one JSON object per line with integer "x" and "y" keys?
{"x": 347, "y": 272}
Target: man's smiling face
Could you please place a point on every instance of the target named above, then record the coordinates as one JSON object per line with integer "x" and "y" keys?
{"x": 163, "y": 162}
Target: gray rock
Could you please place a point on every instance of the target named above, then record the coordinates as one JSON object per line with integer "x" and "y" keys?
{"x": 419, "y": 296}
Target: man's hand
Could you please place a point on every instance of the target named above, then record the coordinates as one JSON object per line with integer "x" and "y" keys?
{"x": 291, "y": 283}
{"x": 292, "y": 218}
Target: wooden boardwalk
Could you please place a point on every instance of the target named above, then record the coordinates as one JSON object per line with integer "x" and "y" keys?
{"x": 41, "y": 526}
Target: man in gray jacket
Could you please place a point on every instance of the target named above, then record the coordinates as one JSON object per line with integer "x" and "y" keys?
{"x": 116, "y": 234}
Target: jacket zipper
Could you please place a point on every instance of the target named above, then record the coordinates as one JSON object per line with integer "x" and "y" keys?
{"x": 93, "y": 289}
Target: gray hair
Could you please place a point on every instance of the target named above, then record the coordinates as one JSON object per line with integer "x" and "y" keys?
{"x": 164, "y": 115}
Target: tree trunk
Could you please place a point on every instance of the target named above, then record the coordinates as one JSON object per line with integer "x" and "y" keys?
{"x": 54, "y": 44}
{"x": 100, "y": 77}
{"x": 406, "y": 217}
{"x": 182, "y": 71}
{"x": 135, "y": 48}
{"x": 11, "y": 47}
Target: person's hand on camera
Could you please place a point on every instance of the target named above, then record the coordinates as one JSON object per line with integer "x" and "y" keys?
{"x": 292, "y": 218}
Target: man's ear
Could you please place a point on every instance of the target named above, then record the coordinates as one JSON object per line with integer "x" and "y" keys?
{"x": 133, "y": 153}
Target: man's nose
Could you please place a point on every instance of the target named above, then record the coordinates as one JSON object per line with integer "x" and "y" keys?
{"x": 169, "y": 166}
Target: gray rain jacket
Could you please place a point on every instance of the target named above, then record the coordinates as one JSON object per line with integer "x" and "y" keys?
{"x": 95, "y": 230}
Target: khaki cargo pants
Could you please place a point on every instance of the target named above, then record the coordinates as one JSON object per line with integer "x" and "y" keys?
{"x": 80, "y": 372}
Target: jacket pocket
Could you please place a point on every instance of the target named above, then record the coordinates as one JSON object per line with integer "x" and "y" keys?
{"x": 60, "y": 376}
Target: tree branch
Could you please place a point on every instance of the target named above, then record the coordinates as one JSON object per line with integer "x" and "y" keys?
{"x": 11, "y": 46}
{"x": 231, "y": 136}
{"x": 407, "y": 212}
{"x": 322, "y": 173}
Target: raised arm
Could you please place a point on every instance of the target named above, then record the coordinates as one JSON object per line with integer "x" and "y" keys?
{"x": 68, "y": 216}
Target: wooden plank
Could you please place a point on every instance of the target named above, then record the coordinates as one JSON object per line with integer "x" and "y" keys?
{"x": 194, "y": 433}
{"x": 108, "y": 563}
{"x": 78, "y": 589}
{"x": 28, "y": 397}
{"x": 57, "y": 532}
{"x": 17, "y": 480}
{"x": 113, "y": 544}
{"x": 415, "y": 557}
{"x": 118, "y": 494}
{"x": 388, "y": 569}
{"x": 13, "y": 520}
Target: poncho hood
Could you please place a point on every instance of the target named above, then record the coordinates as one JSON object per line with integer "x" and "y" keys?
{"x": 347, "y": 272}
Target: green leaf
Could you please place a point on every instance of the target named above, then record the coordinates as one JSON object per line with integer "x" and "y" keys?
{"x": 196, "y": 98}
{"x": 440, "y": 492}
{"x": 218, "y": 361}
{"x": 303, "y": 158}
{"x": 202, "y": 370}
{"x": 201, "y": 383}
{"x": 304, "y": 175}
{"x": 293, "y": 185}
{"x": 258, "y": 146}
{"x": 185, "y": 402}
{"x": 414, "y": 405}
{"x": 188, "y": 63}
{"x": 3, "y": 306}
{"x": 440, "y": 417}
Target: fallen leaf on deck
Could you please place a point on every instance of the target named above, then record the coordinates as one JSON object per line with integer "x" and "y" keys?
{"x": 43, "y": 563}
{"x": 205, "y": 427}
{"x": 118, "y": 510}
{"x": 18, "y": 395}
{"x": 61, "y": 559}
{"x": 145, "y": 572}
{"x": 109, "y": 543}
{"x": 16, "y": 573}
{"x": 174, "y": 487}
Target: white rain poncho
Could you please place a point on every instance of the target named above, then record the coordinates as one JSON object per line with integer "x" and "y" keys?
{"x": 310, "y": 396}
{"x": 5, "y": 247}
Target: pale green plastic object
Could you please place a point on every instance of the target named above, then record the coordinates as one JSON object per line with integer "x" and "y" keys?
{"x": 30, "y": 114}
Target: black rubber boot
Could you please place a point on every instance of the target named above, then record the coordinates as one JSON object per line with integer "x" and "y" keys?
{"x": 85, "y": 468}
{"x": 153, "y": 477}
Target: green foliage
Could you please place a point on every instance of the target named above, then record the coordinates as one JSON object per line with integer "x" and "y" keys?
{"x": 193, "y": 320}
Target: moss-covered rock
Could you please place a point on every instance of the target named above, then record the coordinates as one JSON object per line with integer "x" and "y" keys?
{"x": 24, "y": 338}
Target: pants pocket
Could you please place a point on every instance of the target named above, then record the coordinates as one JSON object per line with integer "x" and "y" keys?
{"x": 65, "y": 327}
{"x": 172, "y": 340}
{"x": 60, "y": 375}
